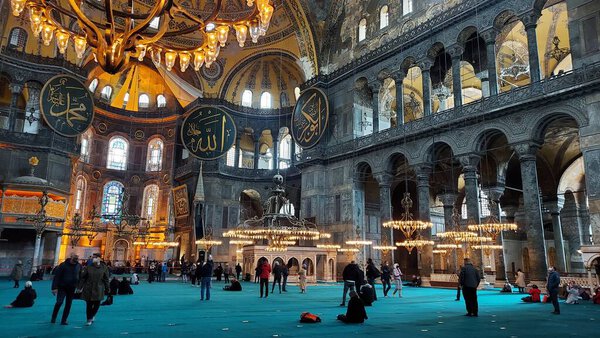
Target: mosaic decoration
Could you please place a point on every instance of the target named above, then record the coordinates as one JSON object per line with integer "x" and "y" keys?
{"x": 66, "y": 105}
{"x": 213, "y": 73}
{"x": 181, "y": 202}
{"x": 208, "y": 133}
{"x": 310, "y": 118}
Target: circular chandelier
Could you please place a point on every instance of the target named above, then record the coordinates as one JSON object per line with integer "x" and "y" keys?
{"x": 137, "y": 29}
{"x": 439, "y": 251}
{"x": 444, "y": 246}
{"x": 329, "y": 246}
{"x": 348, "y": 250}
{"x": 407, "y": 224}
{"x": 411, "y": 244}
{"x": 359, "y": 242}
{"x": 241, "y": 242}
{"x": 208, "y": 242}
{"x": 487, "y": 248}
{"x": 492, "y": 225}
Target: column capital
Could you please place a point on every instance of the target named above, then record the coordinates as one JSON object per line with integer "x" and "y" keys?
{"x": 398, "y": 76}
{"x": 422, "y": 172}
{"x": 530, "y": 20}
{"x": 526, "y": 151}
{"x": 496, "y": 192}
{"x": 489, "y": 36}
{"x": 15, "y": 88}
{"x": 469, "y": 162}
{"x": 384, "y": 179}
{"x": 456, "y": 51}
{"x": 448, "y": 199}
{"x": 554, "y": 206}
{"x": 425, "y": 64}
{"x": 375, "y": 86}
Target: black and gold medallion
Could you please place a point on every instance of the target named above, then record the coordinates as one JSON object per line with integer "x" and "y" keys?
{"x": 208, "y": 133}
{"x": 310, "y": 118}
{"x": 66, "y": 105}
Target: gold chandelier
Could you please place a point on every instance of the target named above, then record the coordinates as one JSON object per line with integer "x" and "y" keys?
{"x": 407, "y": 224}
{"x": 124, "y": 32}
{"x": 411, "y": 244}
{"x": 492, "y": 225}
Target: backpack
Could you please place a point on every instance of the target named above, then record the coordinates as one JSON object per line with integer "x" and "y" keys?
{"x": 307, "y": 317}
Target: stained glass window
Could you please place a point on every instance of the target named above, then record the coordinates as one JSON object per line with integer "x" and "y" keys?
{"x": 117, "y": 153}
{"x": 112, "y": 198}
{"x": 155, "y": 149}
{"x": 150, "y": 202}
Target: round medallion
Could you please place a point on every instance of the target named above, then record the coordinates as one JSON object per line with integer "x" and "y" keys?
{"x": 102, "y": 127}
{"x": 212, "y": 73}
{"x": 139, "y": 134}
{"x": 96, "y": 175}
{"x": 135, "y": 180}
{"x": 170, "y": 132}
{"x": 166, "y": 178}
{"x": 208, "y": 133}
{"x": 310, "y": 118}
{"x": 66, "y": 105}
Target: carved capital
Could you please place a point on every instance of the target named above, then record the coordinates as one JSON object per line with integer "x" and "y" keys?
{"x": 495, "y": 193}
{"x": 398, "y": 76}
{"x": 15, "y": 88}
{"x": 384, "y": 179}
{"x": 469, "y": 162}
{"x": 375, "y": 86}
{"x": 554, "y": 206}
{"x": 526, "y": 151}
{"x": 530, "y": 20}
{"x": 423, "y": 171}
{"x": 448, "y": 199}
{"x": 425, "y": 64}
{"x": 456, "y": 51}
{"x": 489, "y": 36}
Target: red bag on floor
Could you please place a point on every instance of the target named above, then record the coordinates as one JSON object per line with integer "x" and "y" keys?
{"x": 307, "y": 317}
{"x": 545, "y": 300}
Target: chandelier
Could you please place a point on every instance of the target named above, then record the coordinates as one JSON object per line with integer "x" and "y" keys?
{"x": 407, "y": 224}
{"x": 411, "y": 244}
{"x": 487, "y": 248}
{"x": 329, "y": 246}
{"x": 129, "y": 29}
{"x": 76, "y": 229}
{"x": 492, "y": 225}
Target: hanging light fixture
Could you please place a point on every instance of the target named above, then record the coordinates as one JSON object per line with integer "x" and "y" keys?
{"x": 123, "y": 33}
{"x": 492, "y": 225}
{"x": 407, "y": 224}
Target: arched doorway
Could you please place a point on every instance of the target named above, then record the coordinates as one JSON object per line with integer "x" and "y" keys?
{"x": 309, "y": 265}
{"x": 293, "y": 266}
{"x": 120, "y": 251}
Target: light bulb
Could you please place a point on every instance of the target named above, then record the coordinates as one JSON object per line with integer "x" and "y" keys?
{"x": 155, "y": 54}
{"x": 199, "y": 57}
{"x": 35, "y": 20}
{"x": 79, "y": 43}
{"x": 254, "y": 32}
{"x": 170, "y": 57}
{"x": 17, "y": 6}
{"x": 266, "y": 13}
{"x": 141, "y": 52}
{"x": 212, "y": 39}
{"x": 47, "y": 33}
{"x": 250, "y": 3}
{"x": 210, "y": 27}
{"x": 222, "y": 33}
{"x": 241, "y": 32}
{"x": 62, "y": 40}
{"x": 184, "y": 60}
{"x": 261, "y": 3}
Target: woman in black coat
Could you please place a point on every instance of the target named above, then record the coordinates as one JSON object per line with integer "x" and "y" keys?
{"x": 25, "y": 297}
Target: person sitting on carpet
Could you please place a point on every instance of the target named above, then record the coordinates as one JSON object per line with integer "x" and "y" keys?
{"x": 573, "y": 293}
{"x": 124, "y": 287}
{"x": 583, "y": 294}
{"x": 596, "y": 296}
{"x": 25, "y": 297}
{"x": 135, "y": 279}
{"x": 366, "y": 294}
{"x": 507, "y": 288}
{"x": 114, "y": 286}
{"x": 234, "y": 286}
{"x": 534, "y": 295}
{"x": 356, "y": 310}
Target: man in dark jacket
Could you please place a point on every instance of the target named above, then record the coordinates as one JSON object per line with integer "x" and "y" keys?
{"x": 206, "y": 272}
{"x": 469, "y": 281}
{"x": 276, "y": 277}
{"x": 353, "y": 278}
{"x": 238, "y": 271}
{"x": 65, "y": 280}
{"x": 372, "y": 274}
{"x": 552, "y": 287}
{"x": 284, "y": 274}
{"x": 17, "y": 273}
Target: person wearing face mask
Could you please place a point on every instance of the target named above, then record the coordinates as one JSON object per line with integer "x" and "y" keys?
{"x": 94, "y": 285}
{"x": 66, "y": 277}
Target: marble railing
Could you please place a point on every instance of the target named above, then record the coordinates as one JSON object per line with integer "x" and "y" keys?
{"x": 212, "y": 168}
{"x": 43, "y": 139}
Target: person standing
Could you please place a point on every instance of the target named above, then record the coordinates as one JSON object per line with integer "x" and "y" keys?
{"x": 469, "y": 281}
{"x": 66, "y": 277}
{"x": 352, "y": 279}
{"x": 164, "y": 272}
{"x": 265, "y": 272}
{"x": 94, "y": 285}
{"x": 17, "y": 273}
{"x": 372, "y": 274}
{"x": 151, "y": 272}
{"x": 238, "y": 271}
{"x": 386, "y": 276}
{"x": 285, "y": 272}
{"x": 302, "y": 278}
{"x": 192, "y": 272}
{"x": 257, "y": 271}
{"x": 397, "y": 280}
{"x": 552, "y": 287}
{"x": 520, "y": 281}
{"x": 206, "y": 272}
{"x": 276, "y": 277}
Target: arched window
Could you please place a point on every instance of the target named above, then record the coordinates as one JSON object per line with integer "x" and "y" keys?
{"x": 407, "y": 7}
{"x": 285, "y": 152}
{"x": 283, "y": 100}
{"x": 126, "y": 98}
{"x": 247, "y": 98}
{"x": 154, "y": 157}
{"x": 117, "y": 153}
{"x": 230, "y": 160}
{"x": 93, "y": 85}
{"x": 86, "y": 143}
{"x": 297, "y": 92}
{"x": 80, "y": 195}
{"x": 144, "y": 101}
{"x": 265, "y": 100}
{"x": 106, "y": 93}
{"x": 384, "y": 17}
{"x": 161, "y": 101}
{"x": 362, "y": 30}
{"x": 112, "y": 198}
{"x": 150, "y": 204}
{"x": 18, "y": 38}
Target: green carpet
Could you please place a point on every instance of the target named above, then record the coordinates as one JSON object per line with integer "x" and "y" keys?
{"x": 174, "y": 309}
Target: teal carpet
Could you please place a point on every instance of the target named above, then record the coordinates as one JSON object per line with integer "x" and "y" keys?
{"x": 174, "y": 309}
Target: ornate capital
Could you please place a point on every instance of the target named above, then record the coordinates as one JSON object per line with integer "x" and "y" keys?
{"x": 423, "y": 171}
{"x": 398, "y": 76}
{"x": 530, "y": 20}
{"x": 526, "y": 150}
{"x": 425, "y": 64}
{"x": 455, "y": 51}
{"x": 489, "y": 36}
{"x": 15, "y": 88}
{"x": 448, "y": 199}
{"x": 375, "y": 86}
{"x": 469, "y": 162}
{"x": 384, "y": 179}
{"x": 554, "y": 206}
{"x": 495, "y": 193}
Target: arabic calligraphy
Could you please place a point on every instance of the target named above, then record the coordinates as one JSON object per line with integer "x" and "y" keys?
{"x": 66, "y": 105}
{"x": 310, "y": 118}
{"x": 208, "y": 133}
{"x": 180, "y": 195}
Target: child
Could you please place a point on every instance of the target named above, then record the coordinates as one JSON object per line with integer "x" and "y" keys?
{"x": 534, "y": 295}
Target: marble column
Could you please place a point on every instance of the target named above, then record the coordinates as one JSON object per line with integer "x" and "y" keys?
{"x": 32, "y": 108}
{"x": 256, "y": 152}
{"x": 530, "y": 22}
{"x": 500, "y": 263}
{"x": 36, "y": 252}
{"x": 15, "y": 89}
{"x": 57, "y": 249}
{"x": 358, "y": 214}
{"x": 456, "y": 53}
{"x": 293, "y": 152}
{"x": 489, "y": 37}
{"x": 554, "y": 207}
{"x": 275, "y": 149}
{"x": 448, "y": 200}
{"x": 425, "y": 66}
{"x": 469, "y": 168}
{"x": 532, "y": 207}
{"x": 238, "y": 151}
{"x": 375, "y": 88}
{"x": 426, "y": 255}
{"x": 399, "y": 81}
{"x": 385, "y": 195}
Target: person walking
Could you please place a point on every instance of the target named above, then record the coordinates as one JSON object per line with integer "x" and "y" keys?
{"x": 66, "y": 277}
{"x": 552, "y": 287}
{"x": 397, "y": 280}
{"x": 164, "y": 272}
{"x": 386, "y": 276}
{"x": 372, "y": 274}
{"x": 302, "y": 278}
{"x": 17, "y": 273}
{"x": 469, "y": 281}
{"x": 353, "y": 278}
{"x": 285, "y": 272}
{"x": 265, "y": 272}
{"x": 520, "y": 281}
{"x": 206, "y": 272}
{"x": 238, "y": 271}
{"x": 94, "y": 285}
{"x": 276, "y": 277}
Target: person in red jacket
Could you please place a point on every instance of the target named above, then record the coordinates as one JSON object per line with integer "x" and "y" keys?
{"x": 596, "y": 296}
{"x": 265, "y": 272}
{"x": 534, "y": 295}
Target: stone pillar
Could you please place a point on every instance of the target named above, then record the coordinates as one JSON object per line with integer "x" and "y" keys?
{"x": 36, "y": 252}
{"x": 591, "y": 154}
{"x": 569, "y": 219}
{"x": 456, "y": 53}
{"x": 15, "y": 89}
{"x": 256, "y": 152}
{"x": 358, "y": 214}
{"x": 500, "y": 263}
{"x": 399, "y": 81}
{"x": 554, "y": 207}
{"x": 533, "y": 210}
{"x": 425, "y": 66}
{"x": 238, "y": 151}
{"x": 385, "y": 195}
{"x": 32, "y": 111}
{"x": 57, "y": 249}
{"x": 375, "y": 88}
{"x": 426, "y": 255}
{"x": 489, "y": 37}
{"x": 448, "y": 200}
{"x": 530, "y": 22}
{"x": 469, "y": 168}
{"x": 275, "y": 149}
{"x": 293, "y": 152}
